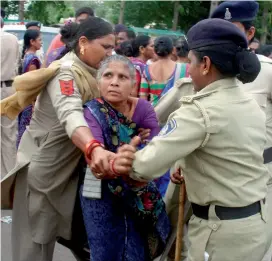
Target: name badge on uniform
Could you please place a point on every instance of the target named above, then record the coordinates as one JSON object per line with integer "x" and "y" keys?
{"x": 168, "y": 128}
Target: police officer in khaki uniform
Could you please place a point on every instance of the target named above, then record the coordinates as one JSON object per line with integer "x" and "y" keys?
{"x": 52, "y": 145}
{"x": 243, "y": 14}
{"x": 9, "y": 63}
{"x": 218, "y": 137}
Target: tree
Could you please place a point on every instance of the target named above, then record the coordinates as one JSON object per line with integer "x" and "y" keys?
{"x": 176, "y": 15}
{"x": 51, "y": 11}
{"x": 10, "y": 7}
{"x": 21, "y": 9}
{"x": 122, "y": 11}
{"x": 158, "y": 14}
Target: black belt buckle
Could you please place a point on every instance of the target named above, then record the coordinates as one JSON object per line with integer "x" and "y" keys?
{"x": 227, "y": 213}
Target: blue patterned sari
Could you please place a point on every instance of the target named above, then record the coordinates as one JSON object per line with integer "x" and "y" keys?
{"x": 127, "y": 224}
{"x": 25, "y": 116}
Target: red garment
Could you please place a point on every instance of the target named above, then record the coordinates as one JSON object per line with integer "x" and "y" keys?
{"x": 56, "y": 43}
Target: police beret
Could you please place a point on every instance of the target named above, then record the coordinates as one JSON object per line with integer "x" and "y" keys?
{"x": 215, "y": 31}
{"x": 237, "y": 11}
{"x": 33, "y": 23}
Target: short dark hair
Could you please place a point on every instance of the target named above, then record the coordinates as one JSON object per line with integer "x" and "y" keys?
{"x": 132, "y": 48}
{"x": 130, "y": 33}
{"x": 182, "y": 47}
{"x": 84, "y": 10}
{"x": 247, "y": 24}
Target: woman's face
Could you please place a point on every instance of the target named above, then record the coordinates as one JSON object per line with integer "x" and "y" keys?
{"x": 116, "y": 84}
{"x": 96, "y": 50}
{"x": 148, "y": 51}
{"x": 37, "y": 43}
{"x": 196, "y": 71}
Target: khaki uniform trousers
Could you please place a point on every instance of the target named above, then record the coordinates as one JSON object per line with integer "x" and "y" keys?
{"x": 23, "y": 247}
{"x": 268, "y": 255}
{"x": 228, "y": 240}
{"x": 8, "y": 137}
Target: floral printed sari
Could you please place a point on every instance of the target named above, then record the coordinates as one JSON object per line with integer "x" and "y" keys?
{"x": 136, "y": 217}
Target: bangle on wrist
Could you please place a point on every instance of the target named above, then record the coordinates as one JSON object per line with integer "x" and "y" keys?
{"x": 113, "y": 169}
{"x": 90, "y": 146}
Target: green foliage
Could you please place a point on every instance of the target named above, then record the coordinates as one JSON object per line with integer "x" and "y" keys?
{"x": 158, "y": 14}
{"x": 10, "y": 7}
{"x": 51, "y": 12}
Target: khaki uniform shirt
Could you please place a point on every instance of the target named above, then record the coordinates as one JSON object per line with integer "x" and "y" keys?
{"x": 170, "y": 102}
{"x": 261, "y": 91}
{"x": 51, "y": 156}
{"x": 9, "y": 56}
{"x": 218, "y": 137}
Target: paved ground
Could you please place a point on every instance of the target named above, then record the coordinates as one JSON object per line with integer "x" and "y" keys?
{"x": 61, "y": 253}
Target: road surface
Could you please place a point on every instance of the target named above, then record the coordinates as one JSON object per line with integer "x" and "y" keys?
{"x": 61, "y": 253}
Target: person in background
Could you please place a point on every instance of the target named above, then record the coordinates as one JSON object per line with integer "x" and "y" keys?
{"x": 83, "y": 13}
{"x": 243, "y": 14}
{"x": 160, "y": 76}
{"x": 9, "y": 65}
{"x": 254, "y": 44}
{"x": 57, "y": 46}
{"x": 34, "y": 25}
{"x": 31, "y": 62}
{"x": 139, "y": 51}
{"x": 182, "y": 50}
{"x": 125, "y": 34}
{"x": 265, "y": 50}
{"x": 133, "y": 215}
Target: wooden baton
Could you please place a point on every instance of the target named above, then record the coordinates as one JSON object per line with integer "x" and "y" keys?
{"x": 182, "y": 194}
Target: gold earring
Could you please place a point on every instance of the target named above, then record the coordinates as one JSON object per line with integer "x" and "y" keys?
{"x": 82, "y": 50}
{"x": 205, "y": 72}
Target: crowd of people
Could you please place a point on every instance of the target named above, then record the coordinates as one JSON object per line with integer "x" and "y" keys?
{"x": 98, "y": 134}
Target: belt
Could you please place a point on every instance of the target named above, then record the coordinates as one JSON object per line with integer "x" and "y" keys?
{"x": 267, "y": 155}
{"x": 7, "y": 83}
{"x": 227, "y": 213}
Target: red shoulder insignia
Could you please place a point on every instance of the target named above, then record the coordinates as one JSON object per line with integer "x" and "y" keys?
{"x": 67, "y": 87}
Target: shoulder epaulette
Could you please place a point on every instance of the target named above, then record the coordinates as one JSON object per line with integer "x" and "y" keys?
{"x": 182, "y": 81}
{"x": 66, "y": 65}
{"x": 192, "y": 98}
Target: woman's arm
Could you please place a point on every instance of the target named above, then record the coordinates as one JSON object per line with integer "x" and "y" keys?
{"x": 149, "y": 119}
{"x": 67, "y": 102}
{"x": 184, "y": 132}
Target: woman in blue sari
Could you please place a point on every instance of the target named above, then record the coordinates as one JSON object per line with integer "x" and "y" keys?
{"x": 30, "y": 62}
{"x": 126, "y": 221}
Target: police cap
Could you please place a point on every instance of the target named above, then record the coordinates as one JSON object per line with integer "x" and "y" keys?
{"x": 33, "y": 23}
{"x": 215, "y": 31}
{"x": 236, "y": 11}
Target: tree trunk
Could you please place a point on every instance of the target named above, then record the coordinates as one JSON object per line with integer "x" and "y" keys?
{"x": 213, "y": 6}
{"x": 122, "y": 11}
{"x": 264, "y": 23}
{"x": 176, "y": 15}
{"x": 21, "y": 10}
